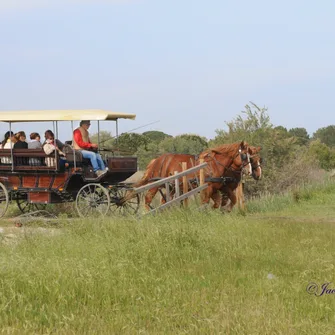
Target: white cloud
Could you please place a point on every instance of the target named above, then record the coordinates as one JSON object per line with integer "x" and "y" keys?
{"x": 28, "y": 4}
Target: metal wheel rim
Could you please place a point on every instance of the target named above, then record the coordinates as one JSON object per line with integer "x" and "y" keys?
{"x": 4, "y": 200}
{"x": 92, "y": 200}
{"x": 26, "y": 207}
{"x": 129, "y": 207}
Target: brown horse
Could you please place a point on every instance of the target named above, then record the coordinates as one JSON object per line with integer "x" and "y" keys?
{"x": 228, "y": 191}
{"x": 221, "y": 160}
{"x": 256, "y": 163}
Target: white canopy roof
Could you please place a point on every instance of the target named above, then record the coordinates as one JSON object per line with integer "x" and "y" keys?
{"x": 62, "y": 115}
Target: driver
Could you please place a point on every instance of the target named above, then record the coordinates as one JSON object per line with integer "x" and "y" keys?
{"x": 82, "y": 142}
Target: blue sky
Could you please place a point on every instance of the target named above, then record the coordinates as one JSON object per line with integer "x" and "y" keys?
{"x": 192, "y": 65}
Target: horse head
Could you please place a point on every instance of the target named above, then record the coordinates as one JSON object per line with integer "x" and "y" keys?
{"x": 256, "y": 162}
{"x": 245, "y": 158}
{"x": 229, "y": 157}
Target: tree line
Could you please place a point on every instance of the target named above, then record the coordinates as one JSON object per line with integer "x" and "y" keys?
{"x": 291, "y": 156}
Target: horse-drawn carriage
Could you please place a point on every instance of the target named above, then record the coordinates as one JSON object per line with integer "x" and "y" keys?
{"x": 26, "y": 179}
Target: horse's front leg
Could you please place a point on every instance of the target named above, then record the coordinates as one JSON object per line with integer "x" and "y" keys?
{"x": 224, "y": 197}
{"x": 216, "y": 197}
{"x": 232, "y": 198}
{"x": 206, "y": 195}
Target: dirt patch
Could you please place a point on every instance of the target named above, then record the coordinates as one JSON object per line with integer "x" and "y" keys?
{"x": 13, "y": 235}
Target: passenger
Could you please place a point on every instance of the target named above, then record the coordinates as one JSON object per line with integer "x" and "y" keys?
{"x": 35, "y": 141}
{"x": 35, "y": 144}
{"x": 20, "y": 144}
{"x": 8, "y": 143}
{"x": 20, "y": 141}
{"x": 50, "y": 135}
{"x": 81, "y": 141}
{"x": 49, "y": 146}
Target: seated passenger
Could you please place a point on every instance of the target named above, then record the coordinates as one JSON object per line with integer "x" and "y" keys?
{"x": 35, "y": 144}
{"x": 35, "y": 141}
{"x": 20, "y": 141}
{"x": 50, "y": 135}
{"x": 7, "y": 143}
{"x": 49, "y": 146}
{"x": 20, "y": 144}
{"x": 81, "y": 141}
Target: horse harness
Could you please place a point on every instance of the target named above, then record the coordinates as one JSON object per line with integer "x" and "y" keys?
{"x": 228, "y": 180}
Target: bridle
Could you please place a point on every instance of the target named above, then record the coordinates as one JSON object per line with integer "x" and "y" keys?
{"x": 230, "y": 167}
{"x": 259, "y": 164}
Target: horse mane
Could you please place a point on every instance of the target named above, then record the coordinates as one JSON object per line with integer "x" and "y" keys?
{"x": 224, "y": 149}
{"x": 254, "y": 150}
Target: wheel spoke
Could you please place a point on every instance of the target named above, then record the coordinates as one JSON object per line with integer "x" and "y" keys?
{"x": 119, "y": 206}
{"x": 92, "y": 200}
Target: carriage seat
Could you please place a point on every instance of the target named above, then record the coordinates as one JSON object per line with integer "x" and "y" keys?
{"x": 80, "y": 160}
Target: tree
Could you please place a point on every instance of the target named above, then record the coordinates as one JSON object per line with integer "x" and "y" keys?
{"x": 301, "y": 135}
{"x": 252, "y": 125}
{"x": 106, "y": 139}
{"x": 146, "y": 153}
{"x": 128, "y": 143}
{"x": 282, "y": 131}
{"x": 156, "y": 136}
{"x": 326, "y": 135}
{"x": 184, "y": 144}
{"x": 324, "y": 154}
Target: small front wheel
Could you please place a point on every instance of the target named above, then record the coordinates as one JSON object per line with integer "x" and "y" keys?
{"x": 92, "y": 200}
{"x": 123, "y": 200}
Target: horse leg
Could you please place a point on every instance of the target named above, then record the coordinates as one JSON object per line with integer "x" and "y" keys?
{"x": 224, "y": 201}
{"x": 240, "y": 196}
{"x": 232, "y": 198}
{"x": 224, "y": 197}
{"x": 149, "y": 196}
{"x": 206, "y": 196}
{"x": 163, "y": 194}
{"x": 216, "y": 197}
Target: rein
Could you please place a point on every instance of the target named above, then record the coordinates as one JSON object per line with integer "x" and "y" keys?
{"x": 229, "y": 167}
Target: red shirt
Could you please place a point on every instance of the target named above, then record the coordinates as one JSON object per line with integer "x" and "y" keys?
{"x": 79, "y": 139}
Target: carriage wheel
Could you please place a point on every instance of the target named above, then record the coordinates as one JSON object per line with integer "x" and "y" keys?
{"x": 119, "y": 204}
{"x": 26, "y": 207}
{"x": 92, "y": 200}
{"x": 4, "y": 200}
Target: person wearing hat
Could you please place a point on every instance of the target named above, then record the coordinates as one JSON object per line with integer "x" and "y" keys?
{"x": 81, "y": 141}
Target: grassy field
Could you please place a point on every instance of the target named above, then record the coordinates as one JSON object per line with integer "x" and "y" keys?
{"x": 182, "y": 272}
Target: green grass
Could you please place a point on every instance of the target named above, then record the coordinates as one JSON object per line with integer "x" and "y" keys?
{"x": 180, "y": 272}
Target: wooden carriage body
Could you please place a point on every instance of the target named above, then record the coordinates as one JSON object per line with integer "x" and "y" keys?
{"x": 33, "y": 179}
{"x": 42, "y": 184}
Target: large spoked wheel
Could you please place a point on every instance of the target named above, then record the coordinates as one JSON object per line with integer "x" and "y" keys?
{"x": 123, "y": 201}
{"x": 26, "y": 207}
{"x": 4, "y": 200}
{"x": 92, "y": 200}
